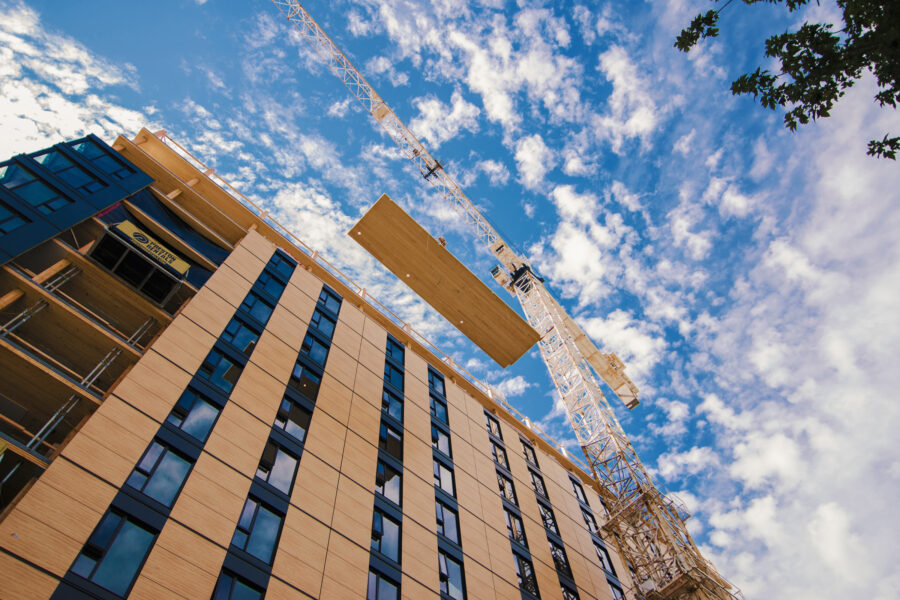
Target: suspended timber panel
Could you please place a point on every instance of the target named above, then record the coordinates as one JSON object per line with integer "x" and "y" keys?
{"x": 410, "y": 253}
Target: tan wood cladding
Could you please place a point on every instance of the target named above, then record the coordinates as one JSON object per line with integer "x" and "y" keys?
{"x": 19, "y": 581}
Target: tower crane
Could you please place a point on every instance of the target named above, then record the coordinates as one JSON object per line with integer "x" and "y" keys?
{"x": 647, "y": 527}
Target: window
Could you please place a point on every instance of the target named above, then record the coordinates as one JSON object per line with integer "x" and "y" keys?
{"x": 277, "y": 468}
{"x": 305, "y": 381}
{"x": 447, "y": 521}
{"x": 451, "y": 576}
{"x": 589, "y": 520}
{"x": 530, "y": 456}
{"x": 386, "y": 536}
{"x": 493, "y": 425}
{"x": 314, "y": 349}
{"x": 257, "y": 530}
{"x": 381, "y": 588}
{"x": 69, "y": 172}
{"x": 525, "y": 575}
{"x": 30, "y": 189}
{"x": 514, "y": 527}
{"x": 293, "y": 418}
{"x": 220, "y": 371}
{"x": 330, "y": 300}
{"x": 569, "y": 593}
{"x": 391, "y": 441}
{"x": 507, "y": 491}
{"x": 560, "y": 559}
{"x": 270, "y": 284}
{"x": 194, "y": 415}
{"x": 97, "y": 155}
{"x": 323, "y": 324}
{"x": 617, "y": 592}
{"x": 436, "y": 383}
{"x": 10, "y": 219}
{"x": 579, "y": 491}
{"x": 258, "y": 308}
{"x": 538, "y": 483}
{"x": 393, "y": 376}
{"x": 439, "y": 410}
{"x": 134, "y": 267}
{"x": 603, "y": 557}
{"x": 160, "y": 473}
{"x": 392, "y": 405}
{"x": 114, "y": 553}
{"x": 240, "y": 335}
{"x": 548, "y": 518}
{"x": 499, "y": 455}
{"x": 281, "y": 264}
{"x": 387, "y": 482}
{"x": 443, "y": 478}
{"x": 232, "y": 587}
{"x": 394, "y": 350}
{"x": 440, "y": 440}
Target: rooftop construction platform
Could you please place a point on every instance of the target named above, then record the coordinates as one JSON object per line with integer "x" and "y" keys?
{"x": 393, "y": 237}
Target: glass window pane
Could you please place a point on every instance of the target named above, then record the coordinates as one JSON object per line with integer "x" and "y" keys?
{"x": 281, "y": 477}
{"x": 123, "y": 558}
{"x": 264, "y": 534}
{"x": 165, "y": 483}
{"x": 200, "y": 419}
{"x": 304, "y": 381}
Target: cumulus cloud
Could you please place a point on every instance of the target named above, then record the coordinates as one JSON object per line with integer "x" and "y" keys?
{"x": 438, "y": 122}
{"x": 632, "y": 112}
{"x": 534, "y": 160}
{"x": 496, "y": 171}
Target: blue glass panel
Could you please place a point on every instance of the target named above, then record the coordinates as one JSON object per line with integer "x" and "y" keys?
{"x": 265, "y": 532}
{"x": 167, "y": 479}
{"x": 123, "y": 559}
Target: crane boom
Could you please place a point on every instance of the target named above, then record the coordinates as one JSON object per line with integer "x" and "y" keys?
{"x": 647, "y": 527}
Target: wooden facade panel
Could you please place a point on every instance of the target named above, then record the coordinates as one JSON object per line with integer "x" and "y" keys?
{"x": 205, "y": 555}
{"x": 184, "y": 343}
{"x": 418, "y": 498}
{"x": 346, "y": 338}
{"x": 19, "y": 581}
{"x": 474, "y": 537}
{"x": 419, "y": 554}
{"x": 78, "y": 484}
{"x": 418, "y": 457}
{"x": 352, "y": 317}
{"x": 301, "y": 303}
{"x": 289, "y": 328}
{"x": 341, "y": 365}
{"x": 275, "y": 356}
{"x": 246, "y": 264}
{"x": 212, "y": 499}
{"x": 279, "y": 590}
{"x": 375, "y": 334}
{"x": 325, "y": 438}
{"x": 208, "y": 310}
{"x": 346, "y": 570}
{"x": 506, "y": 589}
{"x": 70, "y": 517}
{"x": 547, "y": 579}
{"x": 369, "y": 385}
{"x": 334, "y": 399}
{"x": 371, "y": 357}
{"x": 353, "y": 507}
{"x": 304, "y": 281}
{"x": 463, "y": 455}
{"x": 176, "y": 573}
{"x": 316, "y": 488}
{"x": 300, "y": 558}
{"x": 257, "y": 245}
{"x": 415, "y": 366}
{"x": 238, "y": 439}
{"x": 364, "y": 420}
{"x": 501, "y": 559}
{"x": 468, "y": 495}
{"x": 153, "y": 385}
{"x": 479, "y": 581}
{"x": 258, "y": 392}
{"x": 38, "y": 542}
{"x": 410, "y": 589}
{"x": 359, "y": 460}
{"x": 230, "y": 285}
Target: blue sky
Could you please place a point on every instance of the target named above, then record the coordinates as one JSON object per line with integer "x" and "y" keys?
{"x": 747, "y": 276}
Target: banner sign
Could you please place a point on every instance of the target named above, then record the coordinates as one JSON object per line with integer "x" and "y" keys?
{"x": 152, "y": 247}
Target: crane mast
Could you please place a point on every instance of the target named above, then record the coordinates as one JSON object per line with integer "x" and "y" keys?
{"x": 647, "y": 527}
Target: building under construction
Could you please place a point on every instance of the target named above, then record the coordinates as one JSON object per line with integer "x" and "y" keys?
{"x": 196, "y": 404}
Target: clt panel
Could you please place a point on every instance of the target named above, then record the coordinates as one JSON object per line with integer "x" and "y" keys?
{"x": 420, "y": 261}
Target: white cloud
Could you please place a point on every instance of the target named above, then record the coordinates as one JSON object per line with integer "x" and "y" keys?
{"x": 534, "y": 160}
{"x": 339, "y": 108}
{"x": 438, "y": 122}
{"x": 627, "y": 199}
{"x": 632, "y": 113}
{"x": 636, "y": 342}
{"x": 496, "y": 171}
{"x": 512, "y": 386}
{"x": 675, "y": 465}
